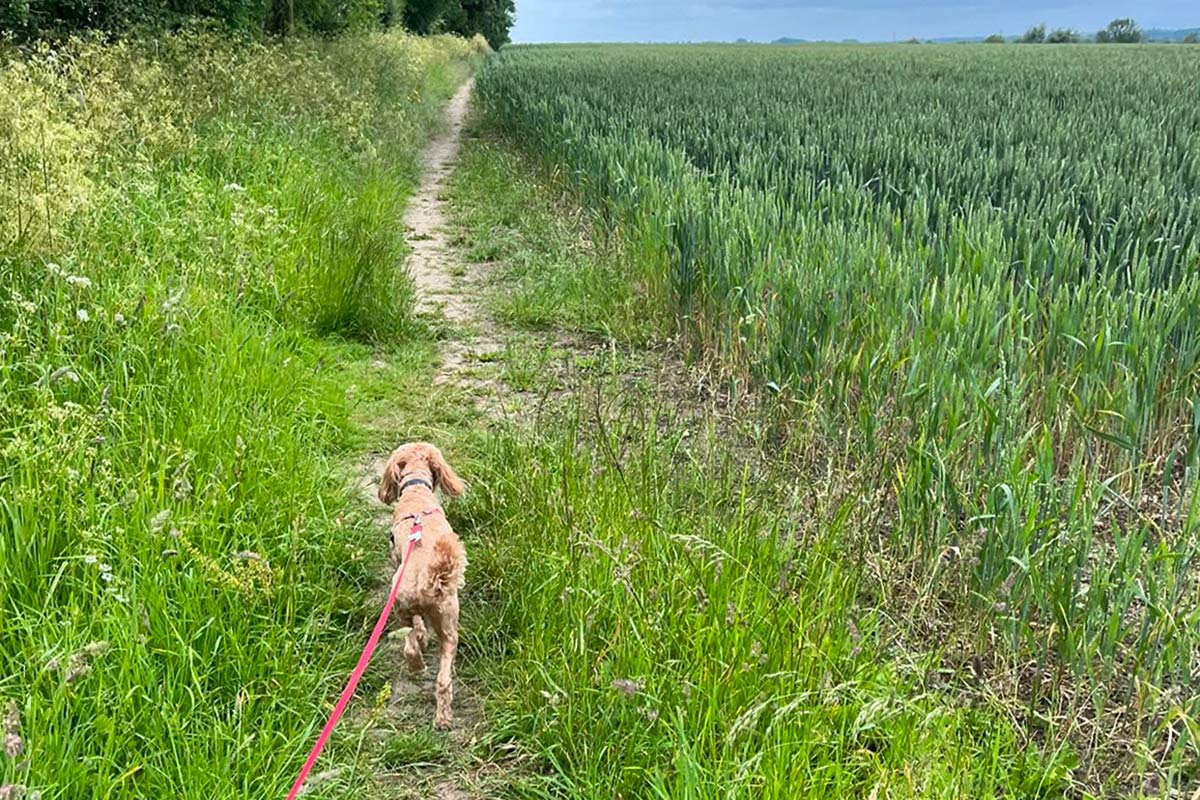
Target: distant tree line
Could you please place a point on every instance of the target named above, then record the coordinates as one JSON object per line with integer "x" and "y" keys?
{"x": 27, "y": 19}
{"x": 1119, "y": 31}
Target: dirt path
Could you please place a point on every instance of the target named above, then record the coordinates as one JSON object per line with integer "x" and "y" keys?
{"x": 443, "y": 285}
{"x": 447, "y": 767}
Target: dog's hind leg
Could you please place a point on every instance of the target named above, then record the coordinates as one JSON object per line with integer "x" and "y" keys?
{"x": 413, "y": 644}
{"x": 445, "y": 621}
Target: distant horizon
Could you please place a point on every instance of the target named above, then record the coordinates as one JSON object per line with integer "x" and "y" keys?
{"x": 865, "y": 21}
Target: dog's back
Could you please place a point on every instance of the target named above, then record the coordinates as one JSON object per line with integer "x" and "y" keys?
{"x": 444, "y": 572}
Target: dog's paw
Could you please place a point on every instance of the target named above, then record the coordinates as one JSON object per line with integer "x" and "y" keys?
{"x": 443, "y": 723}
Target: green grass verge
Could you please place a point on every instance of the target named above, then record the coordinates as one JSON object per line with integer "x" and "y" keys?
{"x": 554, "y": 275}
{"x": 199, "y": 253}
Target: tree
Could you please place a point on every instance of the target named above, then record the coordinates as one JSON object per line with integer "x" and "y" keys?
{"x": 492, "y": 18}
{"x": 26, "y": 19}
{"x": 1062, "y": 36}
{"x": 1192, "y": 38}
{"x": 1035, "y": 35}
{"x": 995, "y": 38}
{"x": 1120, "y": 31}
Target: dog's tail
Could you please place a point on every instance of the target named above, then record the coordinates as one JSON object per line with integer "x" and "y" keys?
{"x": 445, "y": 571}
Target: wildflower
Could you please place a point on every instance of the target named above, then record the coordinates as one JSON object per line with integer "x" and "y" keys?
{"x": 118, "y": 318}
{"x": 651, "y": 713}
{"x": 12, "y": 730}
{"x": 82, "y": 315}
{"x": 247, "y": 555}
{"x": 62, "y": 373}
{"x": 626, "y": 686}
{"x": 80, "y": 281}
{"x": 159, "y": 520}
{"x": 183, "y": 488}
{"x": 106, "y": 567}
{"x": 78, "y": 671}
{"x": 12, "y": 791}
{"x": 169, "y": 304}
{"x": 93, "y": 649}
{"x": 90, "y": 559}
{"x": 234, "y": 187}
{"x": 730, "y": 614}
{"x": 170, "y": 552}
{"x": 28, "y": 306}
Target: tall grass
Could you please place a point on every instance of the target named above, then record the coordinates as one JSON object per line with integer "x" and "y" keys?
{"x": 970, "y": 277}
{"x": 669, "y": 630}
{"x": 193, "y": 231}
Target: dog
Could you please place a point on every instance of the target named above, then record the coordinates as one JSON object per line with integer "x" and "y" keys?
{"x": 429, "y": 588}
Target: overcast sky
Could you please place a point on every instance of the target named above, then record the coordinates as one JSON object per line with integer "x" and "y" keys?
{"x": 868, "y": 20}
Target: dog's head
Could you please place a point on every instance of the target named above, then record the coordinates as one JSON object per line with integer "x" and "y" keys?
{"x": 417, "y": 459}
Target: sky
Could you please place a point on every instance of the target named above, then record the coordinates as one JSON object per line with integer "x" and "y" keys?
{"x": 866, "y": 20}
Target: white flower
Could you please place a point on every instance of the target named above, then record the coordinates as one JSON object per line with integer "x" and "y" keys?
{"x": 119, "y": 318}
{"x": 82, "y": 315}
{"x": 234, "y": 187}
{"x": 90, "y": 559}
{"x": 159, "y": 520}
{"x": 106, "y": 567}
{"x": 80, "y": 281}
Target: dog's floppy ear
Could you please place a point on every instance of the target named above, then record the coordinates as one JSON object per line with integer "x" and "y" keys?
{"x": 389, "y": 482}
{"x": 443, "y": 476}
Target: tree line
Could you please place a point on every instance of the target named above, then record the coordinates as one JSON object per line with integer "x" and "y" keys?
{"x": 1120, "y": 31}
{"x": 28, "y": 19}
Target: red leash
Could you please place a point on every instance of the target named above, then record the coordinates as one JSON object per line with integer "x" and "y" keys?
{"x": 414, "y": 536}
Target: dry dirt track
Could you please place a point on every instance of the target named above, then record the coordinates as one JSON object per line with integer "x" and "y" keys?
{"x": 446, "y": 295}
{"x": 440, "y": 277}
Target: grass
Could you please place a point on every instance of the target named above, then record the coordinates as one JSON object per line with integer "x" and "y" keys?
{"x": 553, "y": 276}
{"x": 198, "y": 254}
{"x": 993, "y": 380}
{"x": 665, "y": 605}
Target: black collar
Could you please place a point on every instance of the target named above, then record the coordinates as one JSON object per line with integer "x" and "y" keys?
{"x": 415, "y": 482}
